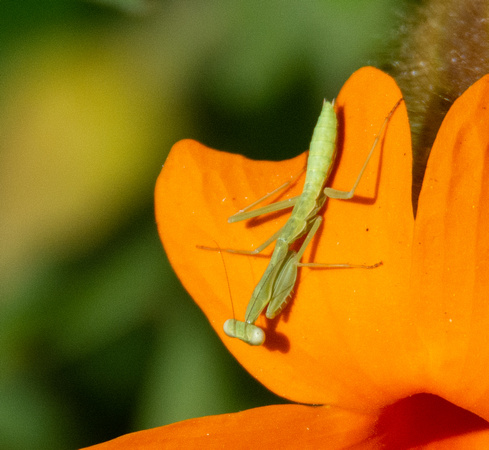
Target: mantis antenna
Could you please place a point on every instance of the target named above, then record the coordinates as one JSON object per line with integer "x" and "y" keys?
{"x": 255, "y": 335}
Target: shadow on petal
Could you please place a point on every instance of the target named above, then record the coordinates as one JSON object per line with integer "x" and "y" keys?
{"x": 423, "y": 419}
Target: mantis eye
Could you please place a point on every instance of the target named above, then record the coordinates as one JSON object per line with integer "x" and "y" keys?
{"x": 256, "y": 336}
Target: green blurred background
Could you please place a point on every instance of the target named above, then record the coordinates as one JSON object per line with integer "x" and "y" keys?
{"x": 97, "y": 337}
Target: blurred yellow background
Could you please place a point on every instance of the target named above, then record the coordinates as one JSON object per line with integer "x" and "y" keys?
{"x": 97, "y": 337}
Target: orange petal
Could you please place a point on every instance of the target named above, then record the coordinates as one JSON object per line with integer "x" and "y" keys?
{"x": 269, "y": 427}
{"x": 422, "y": 421}
{"x": 343, "y": 339}
{"x": 451, "y": 278}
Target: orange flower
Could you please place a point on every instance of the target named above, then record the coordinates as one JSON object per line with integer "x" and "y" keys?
{"x": 361, "y": 343}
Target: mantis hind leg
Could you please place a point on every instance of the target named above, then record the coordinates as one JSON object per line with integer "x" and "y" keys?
{"x": 346, "y": 195}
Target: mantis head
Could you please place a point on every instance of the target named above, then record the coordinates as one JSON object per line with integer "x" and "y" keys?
{"x": 247, "y": 332}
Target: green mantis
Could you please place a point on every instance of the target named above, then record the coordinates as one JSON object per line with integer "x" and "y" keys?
{"x": 276, "y": 284}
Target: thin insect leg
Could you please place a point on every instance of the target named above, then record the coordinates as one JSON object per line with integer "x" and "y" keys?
{"x": 277, "y": 206}
{"x": 340, "y": 265}
{"x": 345, "y": 195}
{"x": 245, "y": 213}
{"x": 257, "y": 250}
